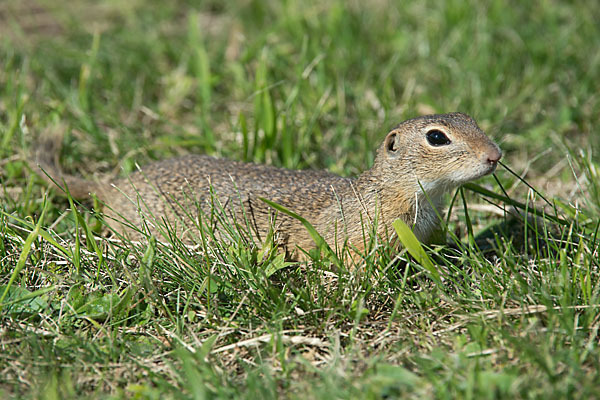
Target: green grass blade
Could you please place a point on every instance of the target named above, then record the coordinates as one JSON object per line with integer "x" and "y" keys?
{"x": 319, "y": 241}
{"x": 33, "y": 235}
{"x": 413, "y": 246}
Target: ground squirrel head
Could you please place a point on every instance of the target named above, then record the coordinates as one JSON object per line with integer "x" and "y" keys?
{"x": 436, "y": 153}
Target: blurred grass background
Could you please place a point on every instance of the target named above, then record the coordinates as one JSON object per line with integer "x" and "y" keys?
{"x": 299, "y": 84}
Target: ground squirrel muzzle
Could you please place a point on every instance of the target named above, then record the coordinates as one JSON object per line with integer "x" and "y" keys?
{"x": 418, "y": 161}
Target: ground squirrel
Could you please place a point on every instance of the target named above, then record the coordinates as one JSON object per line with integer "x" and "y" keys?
{"x": 432, "y": 153}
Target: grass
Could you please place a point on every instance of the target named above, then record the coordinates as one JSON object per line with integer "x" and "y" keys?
{"x": 300, "y": 84}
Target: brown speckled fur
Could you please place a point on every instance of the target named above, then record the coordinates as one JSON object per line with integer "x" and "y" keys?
{"x": 338, "y": 208}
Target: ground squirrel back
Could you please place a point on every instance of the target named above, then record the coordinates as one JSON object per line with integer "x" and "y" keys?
{"x": 418, "y": 161}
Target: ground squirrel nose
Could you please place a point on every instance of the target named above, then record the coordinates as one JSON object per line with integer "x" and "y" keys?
{"x": 494, "y": 156}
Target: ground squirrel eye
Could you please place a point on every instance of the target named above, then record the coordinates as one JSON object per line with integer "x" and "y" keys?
{"x": 436, "y": 138}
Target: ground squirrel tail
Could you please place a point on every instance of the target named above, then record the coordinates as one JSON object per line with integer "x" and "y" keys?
{"x": 45, "y": 164}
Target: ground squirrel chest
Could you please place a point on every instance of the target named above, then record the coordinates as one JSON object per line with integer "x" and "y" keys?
{"x": 418, "y": 161}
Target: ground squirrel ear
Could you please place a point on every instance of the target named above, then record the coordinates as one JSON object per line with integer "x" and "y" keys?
{"x": 391, "y": 147}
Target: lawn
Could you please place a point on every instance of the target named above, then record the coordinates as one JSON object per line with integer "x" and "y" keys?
{"x": 508, "y": 308}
